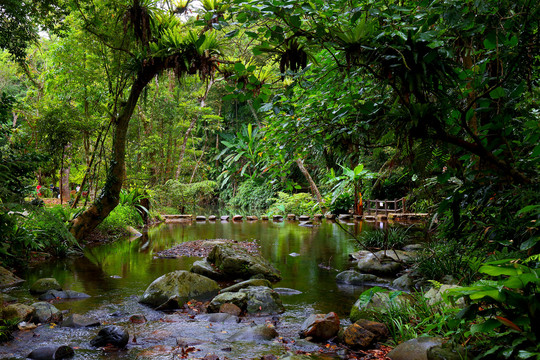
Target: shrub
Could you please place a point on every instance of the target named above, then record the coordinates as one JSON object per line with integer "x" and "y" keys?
{"x": 252, "y": 195}
{"x": 181, "y": 196}
{"x": 391, "y": 238}
{"x": 300, "y": 203}
{"x": 121, "y": 217}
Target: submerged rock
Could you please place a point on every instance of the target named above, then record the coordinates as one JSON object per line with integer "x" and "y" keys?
{"x": 352, "y": 277}
{"x": 262, "y": 300}
{"x": 52, "y": 353}
{"x": 234, "y": 261}
{"x": 79, "y": 321}
{"x": 43, "y": 285}
{"x": 174, "y": 289}
{"x": 255, "y": 334}
{"x": 45, "y": 313}
{"x": 111, "y": 335}
{"x": 62, "y": 295}
{"x": 320, "y": 327}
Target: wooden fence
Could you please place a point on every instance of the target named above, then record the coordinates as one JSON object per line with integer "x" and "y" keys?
{"x": 385, "y": 206}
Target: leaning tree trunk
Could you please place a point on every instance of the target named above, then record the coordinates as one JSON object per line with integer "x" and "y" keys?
{"x": 312, "y": 185}
{"x": 109, "y": 196}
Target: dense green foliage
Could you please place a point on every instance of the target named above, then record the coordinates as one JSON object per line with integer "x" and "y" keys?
{"x": 322, "y": 103}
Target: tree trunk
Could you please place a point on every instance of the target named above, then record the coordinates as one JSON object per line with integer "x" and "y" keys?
{"x": 183, "y": 150}
{"x": 109, "y": 197}
{"x": 312, "y": 184}
{"x": 64, "y": 175}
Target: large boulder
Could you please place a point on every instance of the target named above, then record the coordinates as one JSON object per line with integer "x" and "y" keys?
{"x": 320, "y": 327}
{"x": 45, "y": 313}
{"x": 111, "y": 335}
{"x": 8, "y": 279}
{"x": 427, "y": 348}
{"x": 262, "y": 300}
{"x": 379, "y": 264}
{"x": 255, "y": 334}
{"x": 174, "y": 289}
{"x": 41, "y": 286}
{"x": 236, "y": 262}
{"x": 16, "y": 311}
{"x": 353, "y": 277}
{"x": 380, "y": 302}
{"x": 52, "y": 353}
{"x": 236, "y": 298}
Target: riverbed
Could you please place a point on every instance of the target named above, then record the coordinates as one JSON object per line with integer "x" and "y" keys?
{"x": 116, "y": 274}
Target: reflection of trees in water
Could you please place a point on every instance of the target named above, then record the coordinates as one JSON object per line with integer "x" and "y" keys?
{"x": 89, "y": 271}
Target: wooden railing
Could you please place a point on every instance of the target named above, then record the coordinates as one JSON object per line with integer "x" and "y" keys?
{"x": 384, "y": 206}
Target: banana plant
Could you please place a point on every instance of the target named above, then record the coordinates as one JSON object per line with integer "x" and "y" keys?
{"x": 351, "y": 178}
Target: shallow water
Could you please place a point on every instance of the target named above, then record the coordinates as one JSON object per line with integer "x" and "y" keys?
{"x": 116, "y": 274}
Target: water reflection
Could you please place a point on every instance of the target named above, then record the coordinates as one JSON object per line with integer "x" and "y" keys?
{"x": 126, "y": 267}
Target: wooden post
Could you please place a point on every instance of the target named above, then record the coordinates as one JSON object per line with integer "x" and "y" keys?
{"x": 386, "y": 207}
{"x": 403, "y": 204}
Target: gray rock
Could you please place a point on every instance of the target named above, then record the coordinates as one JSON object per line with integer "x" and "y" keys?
{"x": 379, "y": 265}
{"x": 404, "y": 282}
{"x": 320, "y": 327}
{"x": 225, "y": 218}
{"x": 8, "y": 279}
{"x": 212, "y": 218}
{"x": 265, "y": 218}
{"x": 236, "y": 262}
{"x": 252, "y": 218}
{"x": 262, "y": 300}
{"x": 352, "y": 277}
{"x": 43, "y": 285}
{"x": 62, "y": 295}
{"x": 413, "y": 247}
{"x": 16, "y": 311}
{"x": 277, "y": 217}
{"x": 204, "y": 268}
{"x": 255, "y": 334}
{"x": 237, "y": 218}
{"x": 5, "y": 298}
{"x": 304, "y": 218}
{"x": 435, "y": 295}
{"x": 113, "y": 335}
{"x": 291, "y": 217}
{"x": 200, "y": 218}
{"x": 45, "y": 312}
{"x": 287, "y": 291}
{"x": 79, "y": 321}
{"x": 52, "y": 353}
{"x": 379, "y": 303}
{"x": 247, "y": 283}
{"x": 174, "y": 289}
{"x": 318, "y": 216}
{"x": 295, "y": 357}
{"x": 447, "y": 351}
{"x": 219, "y": 318}
{"x": 415, "y": 349}
{"x": 236, "y": 298}
{"x": 330, "y": 216}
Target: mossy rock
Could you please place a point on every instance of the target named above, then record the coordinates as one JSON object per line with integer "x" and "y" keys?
{"x": 174, "y": 289}
{"x": 41, "y": 286}
{"x": 379, "y": 303}
{"x": 8, "y": 279}
{"x": 236, "y": 262}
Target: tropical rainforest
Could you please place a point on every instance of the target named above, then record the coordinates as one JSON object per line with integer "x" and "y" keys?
{"x": 283, "y": 106}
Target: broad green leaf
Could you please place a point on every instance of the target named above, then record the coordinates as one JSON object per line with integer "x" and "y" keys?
{"x": 499, "y": 270}
{"x": 497, "y": 93}
{"x": 487, "y": 326}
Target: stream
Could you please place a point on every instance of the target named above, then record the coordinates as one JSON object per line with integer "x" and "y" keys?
{"x": 116, "y": 274}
